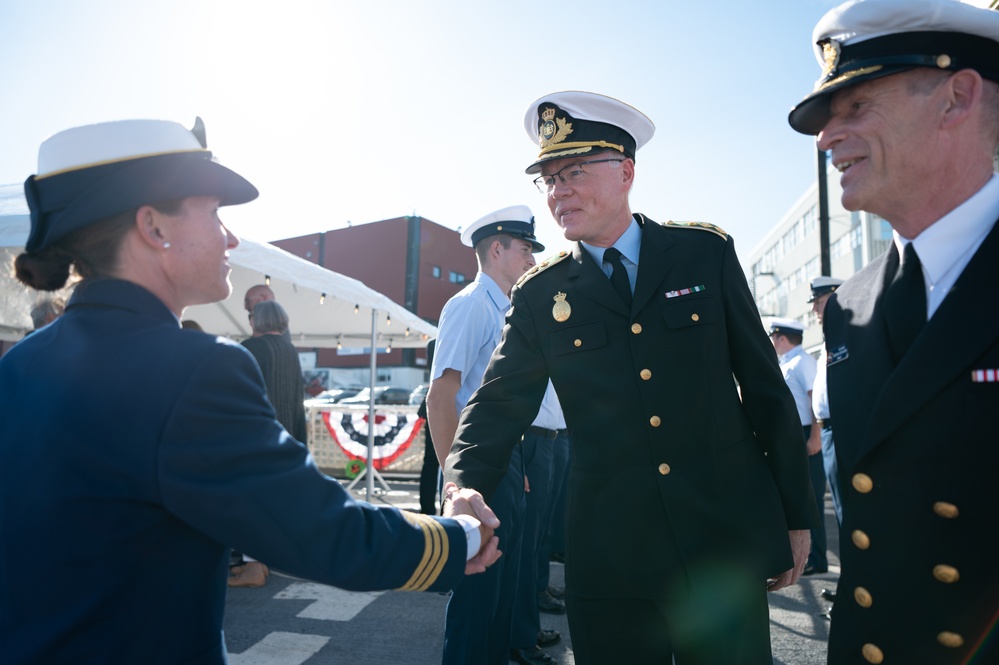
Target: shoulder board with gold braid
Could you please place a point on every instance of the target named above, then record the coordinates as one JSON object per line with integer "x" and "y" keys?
{"x": 703, "y": 226}
{"x": 541, "y": 267}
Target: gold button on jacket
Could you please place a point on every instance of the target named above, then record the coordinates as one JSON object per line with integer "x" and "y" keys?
{"x": 862, "y": 483}
{"x": 872, "y": 654}
{"x": 946, "y": 510}
{"x": 946, "y": 574}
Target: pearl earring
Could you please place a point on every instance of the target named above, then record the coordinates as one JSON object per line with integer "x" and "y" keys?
{"x": 166, "y": 245}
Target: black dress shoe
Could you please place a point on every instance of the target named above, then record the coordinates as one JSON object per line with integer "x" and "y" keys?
{"x": 814, "y": 570}
{"x": 550, "y": 605}
{"x": 556, "y": 591}
{"x": 828, "y": 595}
{"x": 533, "y": 656}
{"x": 546, "y": 638}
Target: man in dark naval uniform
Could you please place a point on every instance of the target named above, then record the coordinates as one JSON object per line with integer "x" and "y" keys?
{"x": 684, "y": 499}
{"x": 908, "y": 106}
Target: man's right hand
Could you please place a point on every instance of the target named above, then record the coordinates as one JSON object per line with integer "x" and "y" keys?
{"x": 466, "y": 501}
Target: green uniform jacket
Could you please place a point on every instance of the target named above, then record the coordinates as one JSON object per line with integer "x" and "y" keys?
{"x": 673, "y": 477}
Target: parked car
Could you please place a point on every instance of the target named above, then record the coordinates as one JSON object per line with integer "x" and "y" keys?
{"x": 418, "y": 395}
{"x": 335, "y": 395}
{"x": 383, "y": 395}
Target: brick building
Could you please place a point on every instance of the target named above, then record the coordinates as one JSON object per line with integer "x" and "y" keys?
{"x": 412, "y": 260}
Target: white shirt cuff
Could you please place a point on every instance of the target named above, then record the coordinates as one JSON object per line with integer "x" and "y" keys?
{"x": 473, "y": 538}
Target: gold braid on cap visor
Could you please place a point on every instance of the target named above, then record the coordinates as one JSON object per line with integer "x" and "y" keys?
{"x": 558, "y": 147}
{"x": 821, "y": 85}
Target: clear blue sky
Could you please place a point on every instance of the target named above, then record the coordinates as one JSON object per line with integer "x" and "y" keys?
{"x": 364, "y": 110}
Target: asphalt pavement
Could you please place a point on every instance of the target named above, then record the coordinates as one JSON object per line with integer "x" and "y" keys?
{"x": 292, "y": 622}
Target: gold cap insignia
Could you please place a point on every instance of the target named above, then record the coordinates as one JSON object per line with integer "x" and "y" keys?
{"x": 552, "y": 129}
{"x": 561, "y": 310}
{"x": 830, "y": 56}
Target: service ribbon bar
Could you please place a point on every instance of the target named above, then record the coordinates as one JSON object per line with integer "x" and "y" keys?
{"x": 985, "y": 375}
{"x": 683, "y": 292}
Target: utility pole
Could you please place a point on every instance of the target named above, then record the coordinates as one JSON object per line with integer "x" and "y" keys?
{"x": 824, "y": 261}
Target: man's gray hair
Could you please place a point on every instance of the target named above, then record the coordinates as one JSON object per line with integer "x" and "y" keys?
{"x": 269, "y": 317}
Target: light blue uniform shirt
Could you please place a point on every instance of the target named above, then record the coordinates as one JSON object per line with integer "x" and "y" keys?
{"x": 630, "y": 246}
{"x": 798, "y": 369}
{"x": 470, "y": 328}
{"x": 820, "y": 392}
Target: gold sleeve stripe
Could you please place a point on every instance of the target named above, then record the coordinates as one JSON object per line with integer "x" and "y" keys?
{"x": 435, "y": 552}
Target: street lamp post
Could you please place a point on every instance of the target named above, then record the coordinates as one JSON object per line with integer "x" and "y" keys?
{"x": 771, "y": 275}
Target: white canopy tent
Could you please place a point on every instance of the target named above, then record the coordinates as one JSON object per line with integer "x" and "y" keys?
{"x": 325, "y": 308}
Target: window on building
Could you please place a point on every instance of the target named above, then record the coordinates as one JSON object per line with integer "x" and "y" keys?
{"x": 840, "y": 247}
{"x": 436, "y": 272}
{"x": 856, "y": 236}
{"x": 812, "y": 269}
{"x": 456, "y": 278}
{"x": 810, "y": 221}
{"x": 794, "y": 235}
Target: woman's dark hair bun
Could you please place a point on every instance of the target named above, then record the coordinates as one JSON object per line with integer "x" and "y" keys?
{"x": 45, "y": 271}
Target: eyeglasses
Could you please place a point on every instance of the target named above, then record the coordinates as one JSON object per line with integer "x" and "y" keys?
{"x": 575, "y": 174}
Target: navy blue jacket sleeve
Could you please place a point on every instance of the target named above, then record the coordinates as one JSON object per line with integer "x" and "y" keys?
{"x": 230, "y": 470}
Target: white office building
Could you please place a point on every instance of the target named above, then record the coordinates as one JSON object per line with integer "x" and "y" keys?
{"x": 781, "y": 267}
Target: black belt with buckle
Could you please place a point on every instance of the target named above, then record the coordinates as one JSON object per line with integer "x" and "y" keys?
{"x": 546, "y": 433}
{"x": 825, "y": 423}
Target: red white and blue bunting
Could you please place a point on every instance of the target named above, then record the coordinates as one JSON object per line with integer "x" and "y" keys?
{"x": 394, "y": 433}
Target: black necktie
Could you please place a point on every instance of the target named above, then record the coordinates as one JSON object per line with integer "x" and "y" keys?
{"x": 905, "y": 304}
{"x": 619, "y": 276}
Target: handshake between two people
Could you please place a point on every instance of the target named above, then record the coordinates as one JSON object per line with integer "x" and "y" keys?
{"x": 466, "y": 501}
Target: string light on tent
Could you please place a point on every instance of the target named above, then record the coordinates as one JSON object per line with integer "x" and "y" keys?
{"x": 388, "y": 320}
{"x": 322, "y": 298}
{"x": 407, "y": 332}
{"x": 339, "y": 343}
{"x": 267, "y": 280}
{"x": 357, "y": 308}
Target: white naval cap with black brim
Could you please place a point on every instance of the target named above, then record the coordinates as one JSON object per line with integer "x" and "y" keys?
{"x": 868, "y": 39}
{"x": 86, "y": 174}
{"x": 516, "y": 221}
{"x": 782, "y": 326}
{"x": 822, "y": 285}
{"x": 566, "y": 124}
